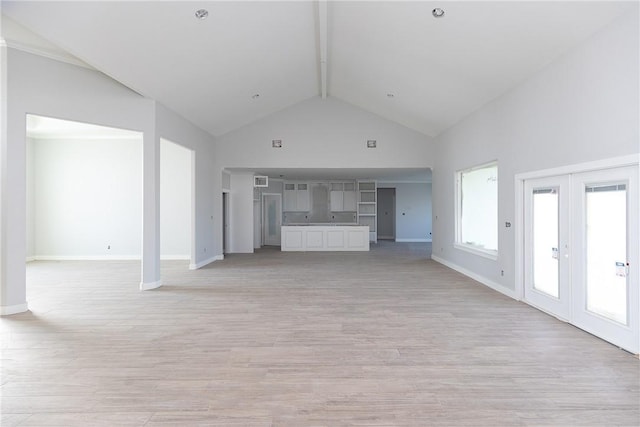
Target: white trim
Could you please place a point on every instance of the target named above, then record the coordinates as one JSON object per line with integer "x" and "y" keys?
{"x": 612, "y": 162}
{"x": 195, "y": 266}
{"x": 411, "y": 240}
{"x": 519, "y": 180}
{"x": 175, "y": 257}
{"x": 150, "y": 286}
{"x": 30, "y": 258}
{"x": 47, "y": 54}
{"x": 489, "y": 283}
{"x": 485, "y": 253}
{"x": 86, "y": 258}
{"x": 8, "y": 310}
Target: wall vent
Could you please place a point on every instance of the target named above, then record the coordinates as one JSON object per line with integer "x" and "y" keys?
{"x": 276, "y": 143}
{"x": 371, "y": 143}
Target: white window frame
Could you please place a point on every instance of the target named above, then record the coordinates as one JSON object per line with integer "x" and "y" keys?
{"x": 459, "y": 244}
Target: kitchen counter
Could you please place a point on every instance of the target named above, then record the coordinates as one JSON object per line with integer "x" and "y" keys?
{"x": 325, "y": 237}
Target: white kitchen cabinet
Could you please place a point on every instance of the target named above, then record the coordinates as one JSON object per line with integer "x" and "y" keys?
{"x": 296, "y": 197}
{"x": 343, "y": 197}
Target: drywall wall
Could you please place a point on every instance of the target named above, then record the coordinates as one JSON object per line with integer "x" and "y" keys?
{"x": 46, "y": 87}
{"x": 324, "y": 133}
{"x": 175, "y": 201}
{"x": 582, "y": 107}
{"x": 31, "y": 235}
{"x": 87, "y": 199}
{"x": 413, "y": 211}
{"x": 241, "y": 210}
{"x": 206, "y": 201}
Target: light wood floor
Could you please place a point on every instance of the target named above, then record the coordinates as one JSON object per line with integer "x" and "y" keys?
{"x": 385, "y": 338}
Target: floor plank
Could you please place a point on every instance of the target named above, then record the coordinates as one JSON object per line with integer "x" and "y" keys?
{"x": 384, "y": 338}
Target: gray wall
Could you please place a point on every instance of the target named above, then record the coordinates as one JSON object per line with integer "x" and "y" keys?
{"x": 582, "y": 107}
{"x": 413, "y": 211}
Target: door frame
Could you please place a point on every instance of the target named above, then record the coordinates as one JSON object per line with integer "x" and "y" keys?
{"x": 264, "y": 216}
{"x": 614, "y": 162}
{"x": 226, "y": 221}
{"x": 601, "y": 166}
{"x": 393, "y": 212}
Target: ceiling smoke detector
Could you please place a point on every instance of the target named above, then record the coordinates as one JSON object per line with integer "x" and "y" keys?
{"x": 202, "y": 13}
{"x": 255, "y": 96}
{"x": 437, "y": 12}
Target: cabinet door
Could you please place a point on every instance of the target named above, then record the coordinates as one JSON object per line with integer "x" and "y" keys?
{"x": 349, "y": 201}
{"x": 302, "y": 202}
{"x": 336, "y": 201}
{"x": 290, "y": 197}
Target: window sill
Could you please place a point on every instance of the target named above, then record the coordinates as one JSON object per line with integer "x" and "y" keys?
{"x": 485, "y": 253}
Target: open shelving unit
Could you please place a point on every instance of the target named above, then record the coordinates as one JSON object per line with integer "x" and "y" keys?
{"x": 367, "y": 207}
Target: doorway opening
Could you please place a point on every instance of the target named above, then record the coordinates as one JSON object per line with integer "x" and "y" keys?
{"x": 386, "y": 214}
{"x": 83, "y": 191}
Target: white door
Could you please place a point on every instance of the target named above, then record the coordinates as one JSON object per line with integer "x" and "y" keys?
{"x": 581, "y": 251}
{"x": 606, "y": 299}
{"x": 547, "y": 256}
{"x": 272, "y": 219}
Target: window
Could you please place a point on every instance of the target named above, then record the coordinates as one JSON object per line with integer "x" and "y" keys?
{"x": 477, "y": 210}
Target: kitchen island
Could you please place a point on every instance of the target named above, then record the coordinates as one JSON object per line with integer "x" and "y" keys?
{"x": 326, "y": 237}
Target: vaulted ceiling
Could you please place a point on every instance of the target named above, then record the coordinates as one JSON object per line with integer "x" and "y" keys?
{"x": 247, "y": 60}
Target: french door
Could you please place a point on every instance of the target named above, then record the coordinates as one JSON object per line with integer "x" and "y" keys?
{"x": 581, "y": 251}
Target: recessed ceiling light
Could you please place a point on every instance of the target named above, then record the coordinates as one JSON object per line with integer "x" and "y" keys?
{"x": 202, "y": 13}
{"x": 437, "y": 12}
{"x": 255, "y": 96}
{"x": 390, "y": 95}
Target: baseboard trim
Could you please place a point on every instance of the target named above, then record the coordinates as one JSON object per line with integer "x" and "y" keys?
{"x": 412, "y": 240}
{"x": 206, "y": 262}
{"x": 478, "y": 278}
{"x": 8, "y": 310}
{"x": 151, "y": 285}
{"x": 86, "y": 258}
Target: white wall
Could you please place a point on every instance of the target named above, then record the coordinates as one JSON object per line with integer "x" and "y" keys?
{"x": 87, "y": 198}
{"x": 321, "y": 133}
{"x": 206, "y": 208}
{"x": 324, "y": 133}
{"x": 175, "y": 201}
{"x": 582, "y": 107}
{"x": 241, "y": 210}
{"x": 41, "y": 86}
{"x": 31, "y": 194}
{"x": 413, "y": 211}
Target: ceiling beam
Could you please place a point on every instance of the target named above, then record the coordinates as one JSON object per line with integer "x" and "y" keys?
{"x": 322, "y": 36}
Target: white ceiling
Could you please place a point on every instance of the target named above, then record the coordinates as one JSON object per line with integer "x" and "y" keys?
{"x": 440, "y": 70}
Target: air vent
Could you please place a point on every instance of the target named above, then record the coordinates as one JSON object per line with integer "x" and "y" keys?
{"x": 371, "y": 143}
{"x": 276, "y": 143}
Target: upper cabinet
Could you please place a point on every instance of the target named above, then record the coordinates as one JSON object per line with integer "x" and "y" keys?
{"x": 296, "y": 197}
{"x": 343, "y": 196}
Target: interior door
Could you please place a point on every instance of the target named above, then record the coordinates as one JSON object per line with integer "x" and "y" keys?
{"x": 547, "y": 255}
{"x": 606, "y": 297}
{"x": 272, "y": 219}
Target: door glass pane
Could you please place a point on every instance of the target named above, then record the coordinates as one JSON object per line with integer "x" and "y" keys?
{"x": 271, "y": 217}
{"x": 606, "y": 231}
{"x": 545, "y": 241}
